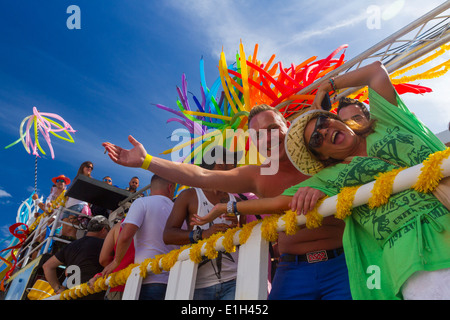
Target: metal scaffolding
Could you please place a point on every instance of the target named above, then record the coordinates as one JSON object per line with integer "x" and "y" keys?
{"x": 415, "y": 40}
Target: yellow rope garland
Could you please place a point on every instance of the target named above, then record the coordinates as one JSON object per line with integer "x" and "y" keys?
{"x": 195, "y": 254}
{"x": 168, "y": 260}
{"x": 290, "y": 220}
{"x": 143, "y": 267}
{"x": 59, "y": 201}
{"x": 155, "y": 264}
{"x": 227, "y": 241}
{"x": 314, "y": 218}
{"x": 431, "y": 172}
{"x": 344, "y": 202}
{"x": 269, "y": 228}
{"x": 211, "y": 252}
{"x": 431, "y": 73}
{"x": 382, "y": 188}
{"x": 439, "y": 52}
{"x": 246, "y": 231}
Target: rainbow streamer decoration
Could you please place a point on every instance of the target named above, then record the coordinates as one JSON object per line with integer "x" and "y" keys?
{"x": 247, "y": 82}
{"x": 42, "y": 122}
{"x": 241, "y": 85}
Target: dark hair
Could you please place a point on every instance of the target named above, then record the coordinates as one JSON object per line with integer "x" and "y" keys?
{"x": 344, "y": 102}
{"x": 224, "y": 159}
{"x": 134, "y": 178}
{"x": 83, "y": 165}
{"x": 264, "y": 107}
{"x": 159, "y": 180}
{"x": 360, "y": 130}
{"x": 97, "y": 224}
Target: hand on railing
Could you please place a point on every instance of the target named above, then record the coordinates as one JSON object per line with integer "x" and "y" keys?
{"x": 110, "y": 268}
{"x": 305, "y": 199}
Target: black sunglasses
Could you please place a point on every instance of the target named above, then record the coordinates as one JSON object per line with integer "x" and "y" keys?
{"x": 316, "y": 140}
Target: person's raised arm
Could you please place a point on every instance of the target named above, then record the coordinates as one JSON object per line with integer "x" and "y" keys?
{"x": 238, "y": 180}
{"x": 373, "y": 75}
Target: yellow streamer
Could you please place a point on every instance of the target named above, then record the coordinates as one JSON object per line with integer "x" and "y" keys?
{"x": 431, "y": 172}
{"x": 227, "y": 242}
{"x": 345, "y": 201}
{"x": 382, "y": 188}
{"x": 440, "y": 51}
{"x": 269, "y": 227}
{"x": 314, "y": 218}
{"x": 244, "y": 73}
{"x": 290, "y": 220}
{"x": 246, "y": 231}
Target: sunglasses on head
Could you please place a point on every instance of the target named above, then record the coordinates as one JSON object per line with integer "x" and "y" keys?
{"x": 316, "y": 140}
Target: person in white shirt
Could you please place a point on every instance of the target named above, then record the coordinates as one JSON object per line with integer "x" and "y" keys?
{"x": 145, "y": 223}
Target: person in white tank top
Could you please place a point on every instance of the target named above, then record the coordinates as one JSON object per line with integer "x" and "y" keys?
{"x": 216, "y": 279}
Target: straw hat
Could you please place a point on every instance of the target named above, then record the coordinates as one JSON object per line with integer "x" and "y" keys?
{"x": 63, "y": 177}
{"x": 296, "y": 149}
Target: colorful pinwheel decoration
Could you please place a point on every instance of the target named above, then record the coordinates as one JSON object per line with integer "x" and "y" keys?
{"x": 43, "y": 124}
{"x": 241, "y": 86}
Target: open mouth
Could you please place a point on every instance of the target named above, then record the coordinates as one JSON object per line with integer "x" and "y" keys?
{"x": 337, "y": 137}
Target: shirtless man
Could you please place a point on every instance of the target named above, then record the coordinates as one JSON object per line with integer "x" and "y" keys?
{"x": 293, "y": 278}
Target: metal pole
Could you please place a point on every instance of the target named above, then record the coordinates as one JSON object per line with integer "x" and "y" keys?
{"x": 359, "y": 58}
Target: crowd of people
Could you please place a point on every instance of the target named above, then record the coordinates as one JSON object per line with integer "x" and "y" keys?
{"x": 81, "y": 232}
{"x": 319, "y": 154}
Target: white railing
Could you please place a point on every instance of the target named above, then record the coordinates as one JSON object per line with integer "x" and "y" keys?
{"x": 27, "y": 251}
{"x": 252, "y": 269}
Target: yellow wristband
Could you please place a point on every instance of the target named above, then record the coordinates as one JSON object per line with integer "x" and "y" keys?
{"x": 147, "y": 161}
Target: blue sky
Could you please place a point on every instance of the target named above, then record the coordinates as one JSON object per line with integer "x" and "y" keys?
{"x": 105, "y": 78}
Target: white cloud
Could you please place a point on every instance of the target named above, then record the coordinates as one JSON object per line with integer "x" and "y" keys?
{"x": 292, "y": 29}
{"x": 4, "y": 236}
{"x": 4, "y": 194}
{"x": 432, "y": 108}
{"x": 308, "y": 34}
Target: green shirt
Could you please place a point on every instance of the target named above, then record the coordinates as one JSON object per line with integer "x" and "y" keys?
{"x": 385, "y": 245}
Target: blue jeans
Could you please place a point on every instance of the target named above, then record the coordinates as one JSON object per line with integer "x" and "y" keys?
{"x": 153, "y": 291}
{"x": 327, "y": 280}
{"x": 220, "y": 291}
